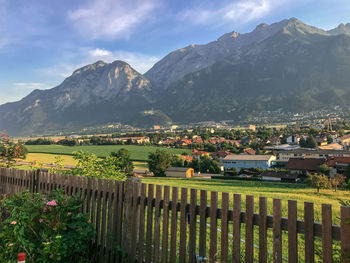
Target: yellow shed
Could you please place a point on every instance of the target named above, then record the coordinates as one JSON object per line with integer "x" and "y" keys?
{"x": 183, "y": 172}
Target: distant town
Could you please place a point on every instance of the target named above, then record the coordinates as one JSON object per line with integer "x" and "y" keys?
{"x": 280, "y": 152}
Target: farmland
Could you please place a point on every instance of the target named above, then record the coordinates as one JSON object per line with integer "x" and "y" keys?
{"x": 138, "y": 153}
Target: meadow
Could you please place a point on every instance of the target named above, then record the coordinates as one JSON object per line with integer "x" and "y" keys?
{"x": 138, "y": 152}
{"x": 284, "y": 191}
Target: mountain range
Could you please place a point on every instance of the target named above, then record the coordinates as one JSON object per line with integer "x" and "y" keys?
{"x": 286, "y": 66}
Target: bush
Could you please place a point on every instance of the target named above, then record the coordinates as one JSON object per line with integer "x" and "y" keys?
{"x": 48, "y": 228}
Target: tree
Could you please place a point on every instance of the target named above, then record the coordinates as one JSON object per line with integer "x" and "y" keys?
{"x": 205, "y": 165}
{"x": 91, "y": 166}
{"x": 311, "y": 142}
{"x": 323, "y": 169}
{"x": 302, "y": 142}
{"x": 329, "y": 139}
{"x": 123, "y": 161}
{"x": 338, "y": 180}
{"x": 10, "y": 151}
{"x": 159, "y": 161}
{"x": 320, "y": 181}
{"x": 177, "y": 161}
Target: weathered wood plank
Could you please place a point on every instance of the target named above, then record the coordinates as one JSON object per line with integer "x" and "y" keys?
{"x": 309, "y": 232}
{"x": 224, "y": 227}
{"x": 262, "y": 230}
{"x": 292, "y": 232}
{"x": 173, "y": 234}
{"x": 157, "y": 219}
{"x": 193, "y": 230}
{"x": 183, "y": 225}
{"x": 249, "y": 230}
{"x": 165, "y": 234}
{"x": 326, "y": 233}
{"x": 213, "y": 227}
{"x": 149, "y": 223}
{"x": 236, "y": 244}
{"x": 277, "y": 231}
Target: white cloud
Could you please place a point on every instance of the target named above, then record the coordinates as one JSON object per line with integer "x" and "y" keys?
{"x": 240, "y": 12}
{"x": 110, "y": 18}
{"x": 30, "y": 85}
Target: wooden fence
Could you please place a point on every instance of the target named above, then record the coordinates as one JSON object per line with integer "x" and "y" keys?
{"x": 158, "y": 224}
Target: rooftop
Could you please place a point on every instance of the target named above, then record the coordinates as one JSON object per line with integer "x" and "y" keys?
{"x": 307, "y": 164}
{"x": 243, "y": 157}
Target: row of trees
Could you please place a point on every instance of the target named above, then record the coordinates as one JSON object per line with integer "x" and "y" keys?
{"x": 322, "y": 181}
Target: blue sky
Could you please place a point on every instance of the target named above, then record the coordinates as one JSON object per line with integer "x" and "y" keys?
{"x": 44, "y": 41}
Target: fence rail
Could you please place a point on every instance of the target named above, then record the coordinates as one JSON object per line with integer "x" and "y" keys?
{"x": 158, "y": 224}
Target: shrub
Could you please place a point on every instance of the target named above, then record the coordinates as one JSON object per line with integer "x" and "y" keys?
{"x": 48, "y": 228}
{"x": 91, "y": 166}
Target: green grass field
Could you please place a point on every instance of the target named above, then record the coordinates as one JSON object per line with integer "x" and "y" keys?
{"x": 299, "y": 192}
{"x": 138, "y": 153}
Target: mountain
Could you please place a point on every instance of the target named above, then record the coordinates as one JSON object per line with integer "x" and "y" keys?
{"x": 94, "y": 94}
{"x": 297, "y": 69}
{"x": 196, "y": 57}
{"x": 341, "y": 29}
{"x": 286, "y": 67}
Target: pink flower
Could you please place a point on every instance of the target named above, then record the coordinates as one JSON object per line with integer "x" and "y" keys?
{"x": 10, "y": 245}
{"x": 13, "y": 223}
{"x": 41, "y": 220}
{"x": 52, "y": 203}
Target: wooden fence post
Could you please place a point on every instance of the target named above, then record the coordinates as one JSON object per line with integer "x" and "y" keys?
{"x": 345, "y": 233}
{"x": 127, "y": 219}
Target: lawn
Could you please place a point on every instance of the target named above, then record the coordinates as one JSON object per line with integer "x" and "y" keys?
{"x": 138, "y": 153}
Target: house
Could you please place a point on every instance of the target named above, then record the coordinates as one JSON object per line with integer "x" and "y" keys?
{"x": 220, "y": 154}
{"x": 292, "y": 139}
{"x": 337, "y": 165}
{"x": 248, "y": 161}
{"x": 183, "y": 172}
{"x": 285, "y": 155}
{"x": 321, "y": 140}
{"x": 197, "y": 154}
{"x": 304, "y": 166}
{"x": 279, "y": 176}
{"x": 249, "y": 151}
{"x": 274, "y": 141}
{"x": 344, "y": 140}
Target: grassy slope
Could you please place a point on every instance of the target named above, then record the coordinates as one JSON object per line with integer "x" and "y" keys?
{"x": 139, "y": 153}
